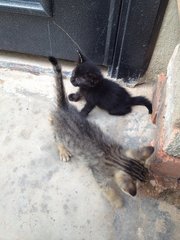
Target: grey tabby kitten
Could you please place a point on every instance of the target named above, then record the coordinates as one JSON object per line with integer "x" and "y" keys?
{"x": 112, "y": 166}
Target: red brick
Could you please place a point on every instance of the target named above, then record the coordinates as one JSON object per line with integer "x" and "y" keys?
{"x": 166, "y": 168}
{"x": 157, "y": 95}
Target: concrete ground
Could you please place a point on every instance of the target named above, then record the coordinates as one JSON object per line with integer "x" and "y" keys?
{"x": 45, "y": 199}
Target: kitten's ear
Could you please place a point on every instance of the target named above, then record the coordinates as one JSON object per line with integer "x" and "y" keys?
{"x": 82, "y": 58}
{"x": 146, "y": 152}
{"x": 141, "y": 154}
{"x": 126, "y": 183}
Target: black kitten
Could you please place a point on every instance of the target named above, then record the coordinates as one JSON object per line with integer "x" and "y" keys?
{"x": 101, "y": 92}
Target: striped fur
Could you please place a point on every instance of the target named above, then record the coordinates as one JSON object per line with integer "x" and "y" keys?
{"x": 112, "y": 166}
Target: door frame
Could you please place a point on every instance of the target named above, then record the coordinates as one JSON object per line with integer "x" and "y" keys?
{"x": 138, "y": 29}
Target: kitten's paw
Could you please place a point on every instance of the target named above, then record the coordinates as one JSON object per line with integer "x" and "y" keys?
{"x": 64, "y": 154}
{"x": 73, "y": 97}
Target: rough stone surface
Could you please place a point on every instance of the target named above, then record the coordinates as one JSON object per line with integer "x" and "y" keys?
{"x": 157, "y": 96}
{"x": 43, "y": 198}
{"x": 172, "y": 106}
{"x": 178, "y": 3}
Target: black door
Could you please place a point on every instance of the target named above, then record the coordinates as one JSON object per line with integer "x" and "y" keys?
{"x": 113, "y": 33}
{"x": 42, "y": 27}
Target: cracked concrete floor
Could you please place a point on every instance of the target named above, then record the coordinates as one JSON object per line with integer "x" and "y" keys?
{"x": 45, "y": 199}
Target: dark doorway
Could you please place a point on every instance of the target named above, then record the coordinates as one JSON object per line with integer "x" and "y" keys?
{"x": 120, "y": 34}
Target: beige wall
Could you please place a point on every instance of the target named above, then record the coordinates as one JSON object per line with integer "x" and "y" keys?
{"x": 178, "y": 2}
{"x": 169, "y": 37}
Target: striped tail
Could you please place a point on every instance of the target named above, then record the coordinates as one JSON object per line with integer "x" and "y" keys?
{"x": 61, "y": 96}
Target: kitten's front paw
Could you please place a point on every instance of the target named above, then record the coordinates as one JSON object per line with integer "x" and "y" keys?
{"x": 73, "y": 97}
{"x": 64, "y": 154}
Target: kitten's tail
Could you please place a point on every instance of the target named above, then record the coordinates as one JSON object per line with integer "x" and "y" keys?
{"x": 61, "y": 96}
{"x": 142, "y": 101}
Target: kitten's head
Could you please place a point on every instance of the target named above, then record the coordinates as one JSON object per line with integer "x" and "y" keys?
{"x": 127, "y": 182}
{"x": 85, "y": 74}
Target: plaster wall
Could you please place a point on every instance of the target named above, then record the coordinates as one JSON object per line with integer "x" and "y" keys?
{"x": 168, "y": 38}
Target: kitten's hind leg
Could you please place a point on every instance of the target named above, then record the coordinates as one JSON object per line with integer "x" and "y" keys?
{"x": 74, "y": 97}
{"x": 64, "y": 153}
{"x": 108, "y": 190}
{"x": 120, "y": 111}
